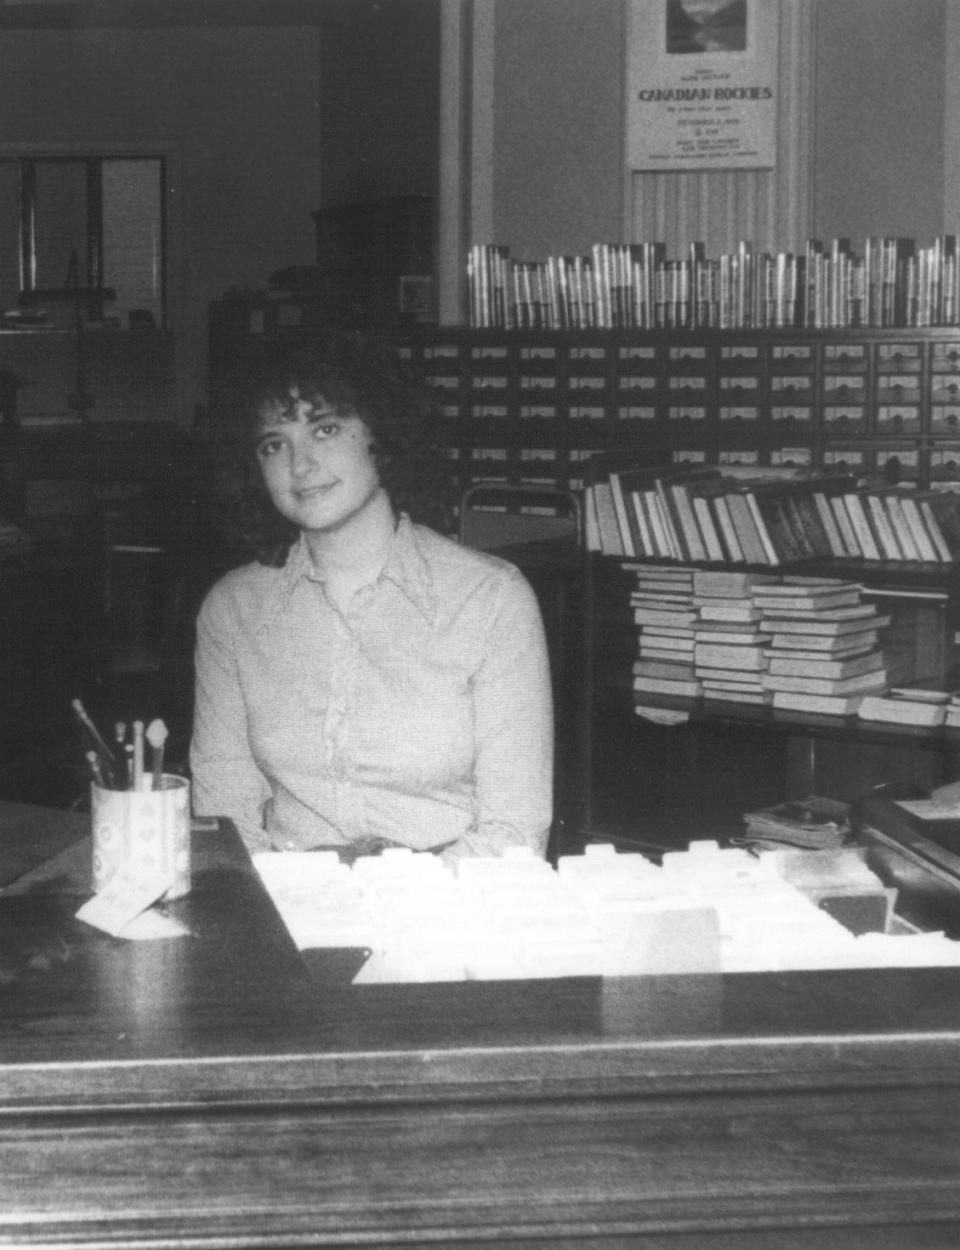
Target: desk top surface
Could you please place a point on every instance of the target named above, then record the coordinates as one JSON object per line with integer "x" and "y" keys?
{"x": 88, "y": 1018}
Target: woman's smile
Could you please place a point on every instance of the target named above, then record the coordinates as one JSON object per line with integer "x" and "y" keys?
{"x": 317, "y": 464}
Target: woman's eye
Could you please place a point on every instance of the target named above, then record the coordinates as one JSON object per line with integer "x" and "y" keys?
{"x": 268, "y": 449}
{"x": 326, "y": 429}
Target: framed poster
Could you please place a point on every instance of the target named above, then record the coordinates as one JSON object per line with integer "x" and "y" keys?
{"x": 702, "y": 84}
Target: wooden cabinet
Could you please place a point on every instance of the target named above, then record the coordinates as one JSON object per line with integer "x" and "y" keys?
{"x": 524, "y": 403}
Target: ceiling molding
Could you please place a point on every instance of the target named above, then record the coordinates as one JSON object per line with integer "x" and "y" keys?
{"x": 139, "y": 14}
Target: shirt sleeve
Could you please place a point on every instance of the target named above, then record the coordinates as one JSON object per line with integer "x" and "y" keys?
{"x": 225, "y": 778}
{"x": 513, "y": 727}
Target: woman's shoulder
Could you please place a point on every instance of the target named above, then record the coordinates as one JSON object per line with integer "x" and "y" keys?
{"x": 445, "y": 555}
{"x": 243, "y": 588}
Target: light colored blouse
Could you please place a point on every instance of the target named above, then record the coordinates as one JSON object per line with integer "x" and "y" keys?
{"x": 421, "y": 715}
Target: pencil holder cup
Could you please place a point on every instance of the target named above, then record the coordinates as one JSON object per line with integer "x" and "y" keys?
{"x": 145, "y": 833}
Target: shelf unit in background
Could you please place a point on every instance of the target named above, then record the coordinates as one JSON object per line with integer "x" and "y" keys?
{"x": 533, "y": 405}
{"x": 721, "y": 759}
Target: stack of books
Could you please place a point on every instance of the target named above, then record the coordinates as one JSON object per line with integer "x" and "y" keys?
{"x": 916, "y": 704}
{"x": 951, "y": 716}
{"x": 814, "y": 823}
{"x": 664, "y": 610}
{"x": 824, "y": 654}
{"x": 729, "y": 645}
{"x": 703, "y": 514}
{"x": 808, "y": 644}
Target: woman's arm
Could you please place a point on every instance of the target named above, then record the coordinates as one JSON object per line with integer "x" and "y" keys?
{"x": 226, "y": 780}
{"x": 513, "y": 726}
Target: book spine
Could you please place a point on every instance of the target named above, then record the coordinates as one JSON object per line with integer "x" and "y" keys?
{"x": 861, "y": 526}
{"x": 623, "y": 519}
{"x": 770, "y": 555}
{"x": 886, "y": 539}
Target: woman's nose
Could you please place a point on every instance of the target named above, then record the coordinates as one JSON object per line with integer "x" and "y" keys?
{"x": 306, "y": 457}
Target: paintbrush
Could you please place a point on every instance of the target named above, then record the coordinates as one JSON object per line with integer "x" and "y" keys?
{"x": 108, "y": 764}
{"x": 156, "y": 736}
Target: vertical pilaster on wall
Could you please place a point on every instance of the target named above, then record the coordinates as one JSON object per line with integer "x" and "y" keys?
{"x": 451, "y": 202}
{"x": 769, "y": 207}
{"x": 951, "y": 122}
{"x": 466, "y": 145}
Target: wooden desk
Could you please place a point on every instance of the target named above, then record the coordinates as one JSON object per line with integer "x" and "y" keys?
{"x": 205, "y": 1092}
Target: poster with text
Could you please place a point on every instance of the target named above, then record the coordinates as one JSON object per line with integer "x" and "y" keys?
{"x": 702, "y": 84}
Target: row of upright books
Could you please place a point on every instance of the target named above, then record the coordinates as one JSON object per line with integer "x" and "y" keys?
{"x": 683, "y": 513}
{"x": 893, "y": 282}
{"x": 800, "y": 644}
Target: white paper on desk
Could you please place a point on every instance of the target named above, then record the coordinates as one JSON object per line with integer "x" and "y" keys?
{"x": 120, "y": 906}
{"x": 931, "y": 809}
{"x": 152, "y": 926}
{"x": 316, "y": 896}
{"x": 662, "y": 715}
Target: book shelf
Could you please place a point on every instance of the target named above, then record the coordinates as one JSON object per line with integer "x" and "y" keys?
{"x": 684, "y": 759}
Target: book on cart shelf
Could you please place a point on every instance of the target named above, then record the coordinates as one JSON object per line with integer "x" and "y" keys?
{"x": 832, "y": 705}
{"x": 896, "y": 709}
{"x": 927, "y": 702}
{"x": 749, "y": 636}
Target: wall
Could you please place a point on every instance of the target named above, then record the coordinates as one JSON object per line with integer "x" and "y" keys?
{"x": 870, "y": 116}
{"x": 379, "y": 100}
{"x": 878, "y": 163}
{"x": 557, "y": 137}
{"x": 237, "y": 106}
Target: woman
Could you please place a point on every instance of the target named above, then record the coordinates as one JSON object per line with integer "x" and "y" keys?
{"x": 365, "y": 682}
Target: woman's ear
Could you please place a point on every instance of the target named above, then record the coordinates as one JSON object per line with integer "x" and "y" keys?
{"x": 378, "y": 454}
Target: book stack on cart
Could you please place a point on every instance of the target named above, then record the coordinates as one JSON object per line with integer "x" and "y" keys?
{"x": 824, "y": 653}
{"x": 802, "y": 644}
{"x": 827, "y": 285}
{"x": 925, "y": 704}
{"x": 705, "y": 514}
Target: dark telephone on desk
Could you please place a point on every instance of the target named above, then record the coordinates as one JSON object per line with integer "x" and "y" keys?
{"x": 912, "y": 842}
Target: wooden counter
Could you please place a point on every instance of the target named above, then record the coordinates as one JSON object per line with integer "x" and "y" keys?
{"x": 211, "y": 1091}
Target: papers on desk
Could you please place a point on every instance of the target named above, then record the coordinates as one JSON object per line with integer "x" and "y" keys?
{"x": 943, "y": 803}
{"x": 931, "y": 809}
{"x": 603, "y": 913}
{"x": 124, "y": 909}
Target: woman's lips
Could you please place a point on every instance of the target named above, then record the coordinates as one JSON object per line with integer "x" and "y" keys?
{"x": 313, "y": 492}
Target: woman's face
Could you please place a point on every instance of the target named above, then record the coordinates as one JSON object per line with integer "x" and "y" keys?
{"x": 317, "y": 463}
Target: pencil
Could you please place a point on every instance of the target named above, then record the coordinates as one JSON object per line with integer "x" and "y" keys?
{"x": 137, "y": 783}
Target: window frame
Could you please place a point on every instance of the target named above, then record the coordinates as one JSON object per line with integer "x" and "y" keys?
{"x": 94, "y": 154}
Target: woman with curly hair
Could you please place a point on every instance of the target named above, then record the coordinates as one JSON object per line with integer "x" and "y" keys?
{"x": 364, "y": 681}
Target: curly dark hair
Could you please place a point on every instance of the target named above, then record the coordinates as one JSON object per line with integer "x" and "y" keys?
{"x": 352, "y": 373}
